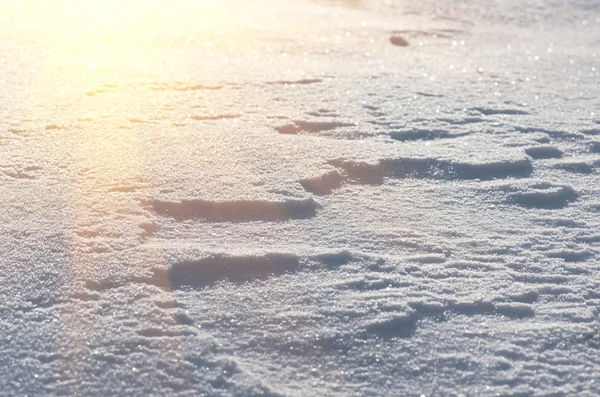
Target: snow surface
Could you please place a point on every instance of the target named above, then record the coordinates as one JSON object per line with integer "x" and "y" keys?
{"x": 300, "y": 198}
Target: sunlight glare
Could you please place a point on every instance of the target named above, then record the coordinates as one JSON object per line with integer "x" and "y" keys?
{"x": 119, "y": 37}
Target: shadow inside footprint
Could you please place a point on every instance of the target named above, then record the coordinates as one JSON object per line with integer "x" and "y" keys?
{"x": 206, "y": 271}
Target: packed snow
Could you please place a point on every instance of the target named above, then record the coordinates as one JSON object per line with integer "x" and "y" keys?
{"x": 300, "y": 198}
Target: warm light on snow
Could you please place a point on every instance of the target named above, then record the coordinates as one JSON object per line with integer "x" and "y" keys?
{"x": 97, "y": 39}
{"x": 299, "y": 198}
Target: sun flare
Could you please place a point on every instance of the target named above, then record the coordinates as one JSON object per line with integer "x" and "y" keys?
{"x": 88, "y": 38}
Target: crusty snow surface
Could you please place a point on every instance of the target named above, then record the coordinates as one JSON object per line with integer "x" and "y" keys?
{"x": 301, "y": 197}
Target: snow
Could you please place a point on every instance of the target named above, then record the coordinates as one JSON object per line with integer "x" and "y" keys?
{"x": 300, "y": 197}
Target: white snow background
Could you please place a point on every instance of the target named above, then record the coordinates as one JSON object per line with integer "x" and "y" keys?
{"x": 300, "y": 197}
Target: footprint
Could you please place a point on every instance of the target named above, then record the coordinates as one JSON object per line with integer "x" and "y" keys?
{"x": 490, "y": 112}
{"x": 424, "y": 134}
{"x": 237, "y": 210}
{"x": 541, "y": 195}
{"x": 207, "y": 271}
{"x": 311, "y": 127}
{"x": 544, "y": 152}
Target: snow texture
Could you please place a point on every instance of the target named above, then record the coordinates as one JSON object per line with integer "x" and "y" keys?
{"x": 300, "y": 198}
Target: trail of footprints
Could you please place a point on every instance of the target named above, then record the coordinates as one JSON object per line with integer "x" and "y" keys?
{"x": 354, "y": 276}
{"x": 514, "y": 180}
{"x": 537, "y": 194}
